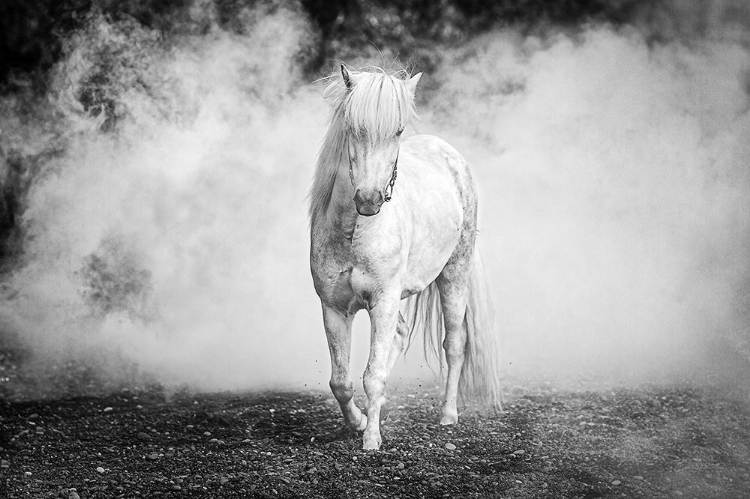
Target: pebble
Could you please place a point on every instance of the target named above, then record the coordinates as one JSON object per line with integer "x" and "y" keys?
{"x": 39, "y": 430}
{"x": 73, "y": 495}
{"x": 4, "y": 464}
{"x": 519, "y": 452}
{"x": 616, "y": 482}
{"x": 99, "y": 469}
{"x": 401, "y": 466}
{"x": 450, "y": 446}
{"x": 207, "y": 433}
{"x": 107, "y": 409}
{"x": 153, "y": 456}
{"x": 338, "y": 467}
{"x": 176, "y": 487}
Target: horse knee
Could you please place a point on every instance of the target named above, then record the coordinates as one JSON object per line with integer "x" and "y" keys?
{"x": 342, "y": 390}
{"x": 374, "y": 383}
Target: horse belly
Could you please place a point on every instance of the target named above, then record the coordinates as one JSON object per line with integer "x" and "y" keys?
{"x": 431, "y": 250}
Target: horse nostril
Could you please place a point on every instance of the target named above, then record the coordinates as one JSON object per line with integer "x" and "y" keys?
{"x": 375, "y": 198}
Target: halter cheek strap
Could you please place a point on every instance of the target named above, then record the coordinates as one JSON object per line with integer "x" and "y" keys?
{"x": 392, "y": 182}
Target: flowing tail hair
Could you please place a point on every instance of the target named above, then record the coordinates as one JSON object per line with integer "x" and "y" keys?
{"x": 480, "y": 377}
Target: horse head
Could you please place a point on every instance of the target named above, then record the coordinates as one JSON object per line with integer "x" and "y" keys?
{"x": 377, "y": 108}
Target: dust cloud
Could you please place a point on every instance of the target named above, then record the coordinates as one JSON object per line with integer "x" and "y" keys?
{"x": 614, "y": 208}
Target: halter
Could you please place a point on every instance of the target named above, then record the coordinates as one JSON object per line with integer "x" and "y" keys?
{"x": 389, "y": 187}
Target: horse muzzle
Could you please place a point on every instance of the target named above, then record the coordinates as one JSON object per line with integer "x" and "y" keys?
{"x": 368, "y": 205}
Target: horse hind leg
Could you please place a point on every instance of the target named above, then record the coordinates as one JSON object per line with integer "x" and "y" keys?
{"x": 453, "y": 296}
{"x": 339, "y": 333}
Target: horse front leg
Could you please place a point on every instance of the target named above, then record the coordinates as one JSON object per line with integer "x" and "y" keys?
{"x": 339, "y": 333}
{"x": 383, "y": 320}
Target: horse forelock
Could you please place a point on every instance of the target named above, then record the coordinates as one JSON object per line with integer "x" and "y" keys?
{"x": 376, "y": 108}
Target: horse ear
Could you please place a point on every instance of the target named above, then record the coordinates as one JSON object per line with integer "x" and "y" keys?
{"x": 412, "y": 83}
{"x": 347, "y": 78}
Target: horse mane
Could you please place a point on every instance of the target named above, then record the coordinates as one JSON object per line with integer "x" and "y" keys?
{"x": 377, "y": 107}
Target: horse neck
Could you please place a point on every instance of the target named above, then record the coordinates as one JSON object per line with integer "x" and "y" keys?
{"x": 339, "y": 208}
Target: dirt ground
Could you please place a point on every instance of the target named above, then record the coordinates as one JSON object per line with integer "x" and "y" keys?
{"x": 677, "y": 439}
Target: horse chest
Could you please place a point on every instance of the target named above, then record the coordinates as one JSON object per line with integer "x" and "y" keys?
{"x": 350, "y": 274}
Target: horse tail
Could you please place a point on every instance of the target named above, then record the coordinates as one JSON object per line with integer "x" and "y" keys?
{"x": 424, "y": 312}
{"x": 480, "y": 377}
{"x": 480, "y": 374}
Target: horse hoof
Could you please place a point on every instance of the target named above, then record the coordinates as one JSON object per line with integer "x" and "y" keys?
{"x": 449, "y": 419}
{"x": 371, "y": 443}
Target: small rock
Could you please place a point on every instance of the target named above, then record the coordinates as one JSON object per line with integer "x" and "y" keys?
{"x": 207, "y": 433}
{"x": 176, "y": 487}
{"x": 142, "y": 435}
{"x": 450, "y": 446}
{"x": 28, "y": 473}
{"x": 39, "y": 430}
{"x": 519, "y": 452}
{"x": 99, "y": 469}
{"x": 73, "y": 495}
{"x": 107, "y": 409}
{"x": 153, "y": 456}
{"x": 616, "y": 482}
{"x": 33, "y": 417}
{"x": 338, "y": 467}
{"x": 638, "y": 477}
{"x": 401, "y": 466}
{"x": 4, "y": 464}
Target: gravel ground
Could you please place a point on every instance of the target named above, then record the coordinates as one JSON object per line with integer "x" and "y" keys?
{"x": 671, "y": 440}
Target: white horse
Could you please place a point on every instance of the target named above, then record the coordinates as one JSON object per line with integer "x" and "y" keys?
{"x": 366, "y": 254}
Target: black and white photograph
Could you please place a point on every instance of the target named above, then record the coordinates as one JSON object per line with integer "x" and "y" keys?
{"x": 375, "y": 249}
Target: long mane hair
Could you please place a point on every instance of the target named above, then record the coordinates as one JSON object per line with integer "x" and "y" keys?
{"x": 376, "y": 106}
